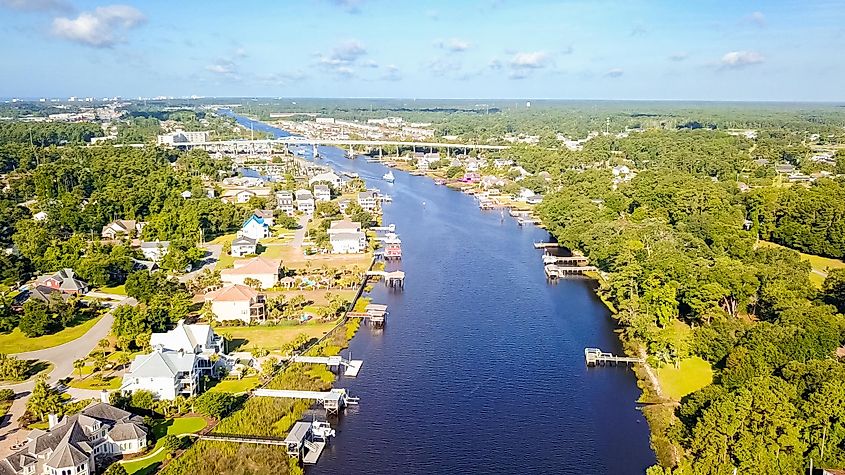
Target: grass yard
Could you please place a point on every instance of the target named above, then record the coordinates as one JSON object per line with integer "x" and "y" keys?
{"x": 16, "y": 342}
{"x": 271, "y": 337}
{"x": 690, "y": 376}
{"x": 822, "y": 265}
{"x": 235, "y": 385}
{"x": 273, "y": 251}
{"x": 149, "y": 463}
{"x": 117, "y": 290}
{"x": 109, "y": 382}
{"x": 316, "y": 296}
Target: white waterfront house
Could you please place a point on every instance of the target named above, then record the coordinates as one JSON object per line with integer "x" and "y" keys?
{"x": 265, "y": 271}
{"x": 236, "y": 302}
{"x": 346, "y": 237}
{"x": 304, "y": 201}
{"x": 255, "y": 227}
{"x": 284, "y": 202}
{"x": 322, "y": 193}
{"x": 243, "y": 246}
{"x": 189, "y": 338}
{"x": 165, "y": 373}
{"x": 330, "y": 177}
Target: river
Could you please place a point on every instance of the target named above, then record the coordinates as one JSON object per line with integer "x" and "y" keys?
{"x": 480, "y": 368}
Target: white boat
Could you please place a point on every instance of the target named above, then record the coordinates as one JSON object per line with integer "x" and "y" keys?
{"x": 351, "y": 174}
{"x": 350, "y": 153}
{"x": 389, "y": 176}
{"x": 322, "y": 430}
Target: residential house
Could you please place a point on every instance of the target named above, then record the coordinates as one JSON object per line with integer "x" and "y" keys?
{"x": 331, "y": 178}
{"x": 64, "y": 281}
{"x": 243, "y": 195}
{"x": 322, "y": 193}
{"x": 304, "y": 201}
{"x": 266, "y": 215}
{"x": 164, "y": 373}
{"x": 122, "y": 227}
{"x": 346, "y": 237}
{"x": 44, "y": 294}
{"x": 255, "y": 228}
{"x": 343, "y": 205}
{"x": 525, "y": 194}
{"x": 368, "y": 200}
{"x": 74, "y": 445}
{"x": 192, "y": 338}
{"x": 284, "y": 201}
{"x": 237, "y": 302}
{"x": 155, "y": 250}
{"x": 243, "y": 246}
{"x": 266, "y": 271}
{"x": 472, "y": 165}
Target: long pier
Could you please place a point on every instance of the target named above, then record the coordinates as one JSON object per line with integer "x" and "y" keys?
{"x": 596, "y": 357}
{"x": 577, "y": 260}
{"x": 351, "y": 367}
{"x": 243, "y": 439}
{"x": 333, "y": 401}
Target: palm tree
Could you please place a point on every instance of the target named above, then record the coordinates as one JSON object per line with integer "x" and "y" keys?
{"x": 104, "y": 343}
{"x": 78, "y": 365}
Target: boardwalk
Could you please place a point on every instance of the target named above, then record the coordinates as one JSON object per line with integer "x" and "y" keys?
{"x": 596, "y": 357}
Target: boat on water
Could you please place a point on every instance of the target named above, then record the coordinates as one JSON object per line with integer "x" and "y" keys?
{"x": 350, "y": 154}
{"x": 439, "y": 181}
{"x": 350, "y": 174}
{"x": 314, "y": 152}
{"x": 388, "y": 177}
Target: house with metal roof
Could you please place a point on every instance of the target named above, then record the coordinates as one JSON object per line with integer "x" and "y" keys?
{"x": 166, "y": 374}
{"x": 74, "y": 445}
{"x": 190, "y": 338}
{"x": 243, "y": 246}
{"x": 255, "y": 227}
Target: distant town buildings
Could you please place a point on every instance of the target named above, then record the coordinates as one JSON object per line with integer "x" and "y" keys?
{"x": 182, "y": 137}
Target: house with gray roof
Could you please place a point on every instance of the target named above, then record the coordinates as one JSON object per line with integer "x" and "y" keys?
{"x": 243, "y": 246}
{"x": 165, "y": 373}
{"x": 75, "y": 444}
{"x": 65, "y": 281}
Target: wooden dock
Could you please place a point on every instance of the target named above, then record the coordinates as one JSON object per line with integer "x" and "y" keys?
{"x": 546, "y": 245}
{"x": 243, "y": 439}
{"x": 554, "y": 271}
{"x": 567, "y": 260}
{"x": 596, "y": 357}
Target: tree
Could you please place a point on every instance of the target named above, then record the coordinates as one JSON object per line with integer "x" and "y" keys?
{"x": 252, "y": 282}
{"x": 123, "y": 359}
{"x": 43, "y": 400}
{"x": 268, "y": 367}
{"x": 104, "y": 344}
{"x": 834, "y": 289}
{"x": 143, "y": 399}
{"x": 116, "y": 469}
{"x": 216, "y": 404}
{"x": 171, "y": 443}
{"x": 78, "y": 365}
{"x": 13, "y": 368}
{"x": 327, "y": 209}
{"x": 36, "y": 320}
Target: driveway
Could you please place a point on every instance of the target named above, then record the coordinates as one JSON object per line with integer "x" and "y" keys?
{"x": 209, "y": 262}
{"x": 299, "y": 234}
{"x": 62, "y": 357}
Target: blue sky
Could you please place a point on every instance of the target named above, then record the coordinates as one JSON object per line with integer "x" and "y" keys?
{"x": 703, "y": 50}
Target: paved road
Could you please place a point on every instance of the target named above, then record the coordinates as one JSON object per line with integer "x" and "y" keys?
{"x": 209, "y": 262}
{"x": 62, "y": 357}
{"x": 299, "y": 234}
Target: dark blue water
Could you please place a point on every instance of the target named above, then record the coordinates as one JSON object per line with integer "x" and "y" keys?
{"x": 480, "y": 368}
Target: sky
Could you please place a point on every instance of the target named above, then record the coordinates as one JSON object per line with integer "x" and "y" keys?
{"x": 590, "y": 49}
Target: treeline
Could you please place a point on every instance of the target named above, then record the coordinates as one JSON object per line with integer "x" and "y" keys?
{"x": 44, "y": 134}
{"x": 82, "y": 189}
{"x": 810, "y": 219}
{"x": 688, "y": 280}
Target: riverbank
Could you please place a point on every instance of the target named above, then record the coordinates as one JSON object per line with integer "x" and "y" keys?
{"x": 427, "y": 366}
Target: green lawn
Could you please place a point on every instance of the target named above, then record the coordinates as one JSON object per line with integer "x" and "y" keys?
{"x": 272, "y": 337}
{"x": 691, "y": 375}
{"x": 274, "y": 251}
{"x": 16, "y": 342}
{"x": 819, "y": 263}
{"x": 148, "y": 465}
{"x": 118, "y": 290}
{"x": 110, "y": 382}
{"x": 235, "y": 385}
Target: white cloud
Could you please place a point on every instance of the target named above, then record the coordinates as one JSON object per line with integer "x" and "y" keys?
{"x": 741, "y": 59}
{"x": 100, "y": 28}
{"x": 614, "y": 73}
{"x": 343, "y": 56}
{"x": 241, "y": 53}
{"x": 757, "y": 18}
{"x": 529, "y": 60}
{"x": 221, "y": 68}
{"x": 38, "y": 5}
{"x": 351, "y": 6}
{"x": 678, "y": 57}
{"x": 393, "y": 73}
{"x": 456, "y": 45}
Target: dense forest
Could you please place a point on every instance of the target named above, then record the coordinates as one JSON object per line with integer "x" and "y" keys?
{"x": 687, "y": 277}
